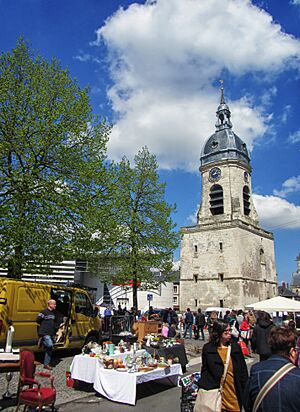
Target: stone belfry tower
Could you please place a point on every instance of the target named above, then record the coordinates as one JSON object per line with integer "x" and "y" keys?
{"x": 226, "y": 259}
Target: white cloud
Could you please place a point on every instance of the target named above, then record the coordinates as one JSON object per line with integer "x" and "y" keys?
{"x": 295, "y": 137}
{"x": 192, "y": 218}
{"x": 285, "y": 113}
{"x": 277, "y": 213}
{"x": 291, "y": 185}
{"x": 176, "y": 265}
{"x": 83, "y": 57}
{"x": 295, "y": 2}
{"x": 165, "y": 56}
{"x": 176, "y": 128}
{"x": 268, "y": 95}
{"x": 86, "y": 57}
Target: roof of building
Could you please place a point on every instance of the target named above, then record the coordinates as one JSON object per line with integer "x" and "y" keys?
{"x": 224, "y": 143}
{"x": 287, "y": 293}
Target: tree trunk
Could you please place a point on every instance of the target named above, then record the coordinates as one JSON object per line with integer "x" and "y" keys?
{"x": 14, "y": 267}
{"x": 134, "y": 291}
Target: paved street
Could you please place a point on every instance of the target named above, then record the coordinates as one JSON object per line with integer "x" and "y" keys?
{"x": 149, "y": 397}
{"x": 64, "y": 394}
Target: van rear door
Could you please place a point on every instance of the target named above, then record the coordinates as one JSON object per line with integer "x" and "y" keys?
{"x": 4, "y": 316}
{"x": 81, "y": 318}
{"x": 63, "y": 299}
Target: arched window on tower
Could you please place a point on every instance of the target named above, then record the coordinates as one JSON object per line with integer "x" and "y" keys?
{"x": 216, "y": 200}
{"x": 246, "y": 200}
{"x": 262, "y": 257}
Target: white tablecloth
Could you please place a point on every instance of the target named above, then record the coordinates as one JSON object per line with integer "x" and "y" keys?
{"x": 84, "y": 367}
{"x": 118, "y": 386}
{"x": 9, "y": 357}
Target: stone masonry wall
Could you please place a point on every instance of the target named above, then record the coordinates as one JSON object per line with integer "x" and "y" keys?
{"x": 226, "y": 264}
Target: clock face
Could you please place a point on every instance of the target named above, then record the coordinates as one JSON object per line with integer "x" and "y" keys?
{"x": 214, "y": 174}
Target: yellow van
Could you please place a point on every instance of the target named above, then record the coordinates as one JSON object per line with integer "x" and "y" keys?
{"x": 22, "y": 301}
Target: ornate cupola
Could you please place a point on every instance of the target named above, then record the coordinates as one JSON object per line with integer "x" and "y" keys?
{"x": 226, "y": 174}
{"x": 224, "y": 143}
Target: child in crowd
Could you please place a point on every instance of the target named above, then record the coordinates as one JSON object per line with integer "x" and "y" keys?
{"x": 173, "y": 333}
{"x": 165, "y": 330}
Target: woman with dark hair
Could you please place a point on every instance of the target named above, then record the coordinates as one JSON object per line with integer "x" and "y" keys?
{"x": 213, "y": 359}
{"x": 211, "y": 318}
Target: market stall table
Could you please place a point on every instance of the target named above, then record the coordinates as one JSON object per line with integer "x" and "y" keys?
{"x": 120, "y": 386}
{"x": 173, "y": 351}
{"x": 9, "y": 367}
{"x": 9, "y": 362}
{"x": 84, "y": 367}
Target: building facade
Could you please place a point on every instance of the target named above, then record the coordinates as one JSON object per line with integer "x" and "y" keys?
{"x": 226, "y": 259}
{"x": 295, "y": 286}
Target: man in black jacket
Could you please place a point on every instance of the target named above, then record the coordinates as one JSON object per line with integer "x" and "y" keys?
{"x": 188, "y": 323}
{"x": 46, "y": 330}
{"x": 199, "y": 323}
{"x": 261, "y": 332}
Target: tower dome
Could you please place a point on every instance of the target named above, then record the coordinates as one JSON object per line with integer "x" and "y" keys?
{"x": 224, "y": 143}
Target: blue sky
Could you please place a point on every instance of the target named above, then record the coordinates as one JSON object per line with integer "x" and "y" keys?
{"x": 153, "y": 68}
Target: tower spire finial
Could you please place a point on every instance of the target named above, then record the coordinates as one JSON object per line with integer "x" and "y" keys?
{"x": 222, "y": 100}
{"x": 223, "y": 112}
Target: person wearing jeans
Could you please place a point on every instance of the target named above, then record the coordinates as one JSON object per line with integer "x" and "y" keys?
{"x": 48, "y": 345}
{"x": 188, "y": 322}
{"x": 46, "y": 330}
{"x": 200, "y": 323}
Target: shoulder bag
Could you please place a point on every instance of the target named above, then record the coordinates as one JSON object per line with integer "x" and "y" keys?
{"x": 234, "y": 331}
{"x": 271, "y": 383}
{"x": 211, "y": 400}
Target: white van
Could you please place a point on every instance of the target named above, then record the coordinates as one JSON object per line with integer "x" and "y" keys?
{"x": 220, "y": 311}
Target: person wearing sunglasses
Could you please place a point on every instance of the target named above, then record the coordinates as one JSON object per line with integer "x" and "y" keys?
{"x": 214, "y": 356}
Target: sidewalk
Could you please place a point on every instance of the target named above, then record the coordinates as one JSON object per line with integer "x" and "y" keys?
{"x": 64, "y": 394}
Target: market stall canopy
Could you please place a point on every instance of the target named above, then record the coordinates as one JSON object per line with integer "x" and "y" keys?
{"x": 277, "y": 304}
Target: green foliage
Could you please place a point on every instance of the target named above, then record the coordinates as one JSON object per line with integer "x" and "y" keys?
{"x": 145, "y": 232}
{"x": 59, "y": 198}
{"x": 53, "y": 175}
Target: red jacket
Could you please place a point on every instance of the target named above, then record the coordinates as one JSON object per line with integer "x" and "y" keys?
{"x": 245, "y": 325}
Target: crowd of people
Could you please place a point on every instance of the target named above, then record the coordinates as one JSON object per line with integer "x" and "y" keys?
{"x": 273, "y": 380}
{"x": 194, "y": 323}
{"x": 128, "y": 314}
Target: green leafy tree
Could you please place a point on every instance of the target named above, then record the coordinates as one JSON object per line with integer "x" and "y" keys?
{"x": 53, "y": 175}
{"x": 146, "y": 238}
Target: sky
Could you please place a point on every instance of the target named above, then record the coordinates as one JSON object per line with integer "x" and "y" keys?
{"x": 153, "y": 68}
